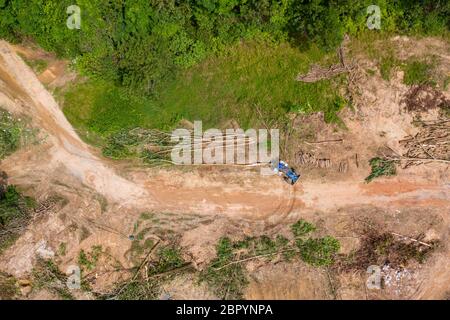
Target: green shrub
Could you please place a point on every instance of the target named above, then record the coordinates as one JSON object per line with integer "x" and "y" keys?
{"x": 381, "y": 167}
{"x": 169, "y": 258}
{"x": 14, "y": 214}
{"x": 226, "y": 282}
{"x": 318, "y": 252}
{"x": 302, "y": 228}
{"x": 14, "y": 133}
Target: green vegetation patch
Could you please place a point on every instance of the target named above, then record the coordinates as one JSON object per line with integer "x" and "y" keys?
{"x": 146, "y": 284}
{"x": 388, "y": 64}
{"x": 302, "y": 228}
{"x": 226, "y": 274}
{"x": 97, "y": 109}
{"x": 14, "y": 214}
{"x": 8, "y": 287}
{"x": 228, "y": 281}
{"x": 38, "y": 65}
{"x": 318, "y": 252}
{"x": 250, "y": 77}
{"x": 152, "y": 146}
{"x": 62, "y": 249}
{"x": 169, "y": 258}
{"x": 419, "y": 72}
{"x": 252, "y": 83}
{"x": 380, "y": 247}
{"x": 46, "y": 275}
{"x": 88, "y": 260}
{"x": 381, "y": 167}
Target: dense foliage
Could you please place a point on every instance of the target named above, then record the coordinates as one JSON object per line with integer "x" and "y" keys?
{"x": 137, "y": 43}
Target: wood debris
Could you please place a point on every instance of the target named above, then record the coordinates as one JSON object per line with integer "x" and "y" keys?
{"x": 317, "y": 73}
{"x": 431, "y": 143}
{"x": 308, "y": 159}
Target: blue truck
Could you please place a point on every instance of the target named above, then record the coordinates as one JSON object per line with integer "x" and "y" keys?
{"x": 289, "y": 175}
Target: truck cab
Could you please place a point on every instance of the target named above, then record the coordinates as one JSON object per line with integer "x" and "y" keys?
{"x": 289, "y": 175}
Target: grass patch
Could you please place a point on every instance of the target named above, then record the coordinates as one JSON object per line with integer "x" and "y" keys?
{"x": 97, "y": 109}
{"x": 388, "y": 63}
{"x": 62, "y": 249}
{"x": 381, "y": 167}
{"x": 419, "y": 72}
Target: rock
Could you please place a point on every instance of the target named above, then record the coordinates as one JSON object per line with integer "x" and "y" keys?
{"x": 25, "y": 291}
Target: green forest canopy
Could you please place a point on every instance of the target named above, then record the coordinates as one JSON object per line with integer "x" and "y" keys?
{"x": 138, "y": 43}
